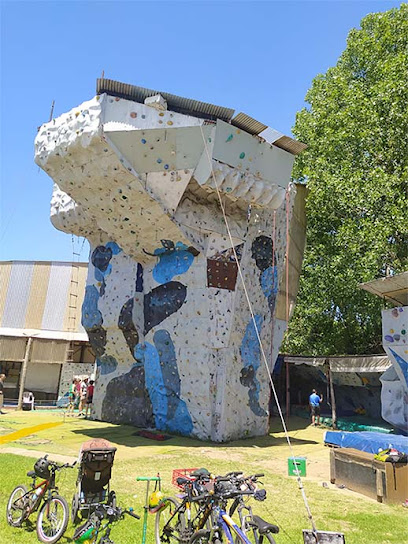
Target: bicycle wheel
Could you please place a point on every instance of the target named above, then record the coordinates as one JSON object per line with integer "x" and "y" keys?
{"x": 52, "y": 519}
{"x": 112, "y": 499}
{"x": 170, "y": 523}
{"x": 16, "y": 506}
{"x": 75, "y": 509}
{"x": 200, "y": 537}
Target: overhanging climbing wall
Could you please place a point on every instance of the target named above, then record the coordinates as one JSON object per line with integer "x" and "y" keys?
{"x": 164, "y": 307}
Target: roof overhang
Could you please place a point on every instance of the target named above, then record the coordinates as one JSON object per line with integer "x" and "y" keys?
{"x": 44, "y": 334}
{"x": 391, "y": 288}
{"x": 356, "y": 363}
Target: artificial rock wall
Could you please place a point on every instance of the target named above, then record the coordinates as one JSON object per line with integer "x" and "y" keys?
{"x": 165, "y": 308}
{"x": 394, "y": 392}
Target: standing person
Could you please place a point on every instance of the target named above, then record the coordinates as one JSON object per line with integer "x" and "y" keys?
{"x": 77, "y": 391}
{"x": 314, "y": 402}
{"x": 89, "y": 397}
{"x": 2, "y": 378}
{"x": 82, "y": 396}
{"x": 71, "y": 397}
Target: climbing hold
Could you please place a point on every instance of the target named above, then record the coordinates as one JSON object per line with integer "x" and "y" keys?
{"x": 143, "y": 141}
{"x": 229, "y": 138}
{"x": 133, "y": 114}
{"x": 242, "y": 155}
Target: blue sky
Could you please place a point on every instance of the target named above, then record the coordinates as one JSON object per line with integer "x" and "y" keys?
{"x": 256, "y": 57}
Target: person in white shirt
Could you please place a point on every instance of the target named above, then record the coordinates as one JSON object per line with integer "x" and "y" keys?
{"x": 82, "y": 396}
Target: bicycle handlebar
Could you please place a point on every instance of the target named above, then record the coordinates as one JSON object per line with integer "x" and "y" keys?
{"x": 221, "y": 495}
{"x": 131, "y": 513}
{"x": 56, "y": 466}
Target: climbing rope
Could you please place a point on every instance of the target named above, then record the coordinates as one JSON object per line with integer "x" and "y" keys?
{"x": 298, "y": 478}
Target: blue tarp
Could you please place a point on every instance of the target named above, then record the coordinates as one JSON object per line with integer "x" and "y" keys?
{"x": 366, "y": 441}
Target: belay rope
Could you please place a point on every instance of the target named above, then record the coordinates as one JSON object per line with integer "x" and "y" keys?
{"x": 298, "y": 478}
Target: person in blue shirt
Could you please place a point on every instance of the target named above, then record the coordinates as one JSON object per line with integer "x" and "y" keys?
{"x": 314, "y": 402}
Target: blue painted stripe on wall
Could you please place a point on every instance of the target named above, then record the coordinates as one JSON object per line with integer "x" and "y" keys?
{"x": 18, "y": 293}
{"x": 57, "y": 297}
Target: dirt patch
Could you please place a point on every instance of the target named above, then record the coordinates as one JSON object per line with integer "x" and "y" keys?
{"x": 34, "y": 441}
{"x": 38, "y": 453}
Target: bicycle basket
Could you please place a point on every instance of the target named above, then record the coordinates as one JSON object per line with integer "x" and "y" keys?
{"x": 182, "y": 473}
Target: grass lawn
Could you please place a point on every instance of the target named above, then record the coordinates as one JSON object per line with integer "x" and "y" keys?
{"x": 363, "y": 520}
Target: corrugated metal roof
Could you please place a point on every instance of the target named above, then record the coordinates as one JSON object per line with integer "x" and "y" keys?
{"x": 249, "y": 124}
{"x": 203, "y": 110}
{"x": 175, "y": 103}
{"x": 290, "y": 145}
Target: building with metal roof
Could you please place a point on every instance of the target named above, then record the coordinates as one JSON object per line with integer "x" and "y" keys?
{"x": 42, "y": 341}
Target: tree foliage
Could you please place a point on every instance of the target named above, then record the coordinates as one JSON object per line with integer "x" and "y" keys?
{"x": 356, "y": 166}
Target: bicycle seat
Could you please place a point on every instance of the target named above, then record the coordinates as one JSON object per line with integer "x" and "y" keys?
{"x": 31, "y": 474}
{"x": 182, "y": 481}
{"x": 264, "y": 526}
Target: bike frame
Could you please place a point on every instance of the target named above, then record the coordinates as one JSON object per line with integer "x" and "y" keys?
{"x": 226, "y": 523}
{"x": 44, "y": 485}
{"x": 241, "y": 508}
{"x": 186, "y": 505}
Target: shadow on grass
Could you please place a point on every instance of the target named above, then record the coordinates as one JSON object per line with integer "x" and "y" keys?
{"x": 30, "y": 527}
{"x": 126, "y": 435}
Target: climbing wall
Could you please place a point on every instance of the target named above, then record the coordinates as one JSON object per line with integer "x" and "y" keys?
{"x": 165, "y": 307}
{"x": 394, "y": 392}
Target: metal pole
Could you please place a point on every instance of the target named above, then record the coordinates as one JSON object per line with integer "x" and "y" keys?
{"x": 333, "y": 400}
{"x": 23, "y": 373}
{"x": 287, "y": 392}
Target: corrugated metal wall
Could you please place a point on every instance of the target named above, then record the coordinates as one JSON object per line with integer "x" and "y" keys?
{"x": 57, "y": 297}
{"x": 35, "y": 295}
{"x": 17, "y": 296}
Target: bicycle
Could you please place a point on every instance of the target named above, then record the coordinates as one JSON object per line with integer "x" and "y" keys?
{"x": 53, "y": 515}
{"x": 93, "y": 528}
{"x": 254, "y": 527}
{"x": 223, "y": 524}
{"x": 177, "y": 521}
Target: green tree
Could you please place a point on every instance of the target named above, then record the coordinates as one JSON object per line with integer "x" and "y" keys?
{"x": 356, "y": 166}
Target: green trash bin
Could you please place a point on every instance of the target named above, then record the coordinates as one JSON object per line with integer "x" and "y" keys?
{"x": 300, "y": 463}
